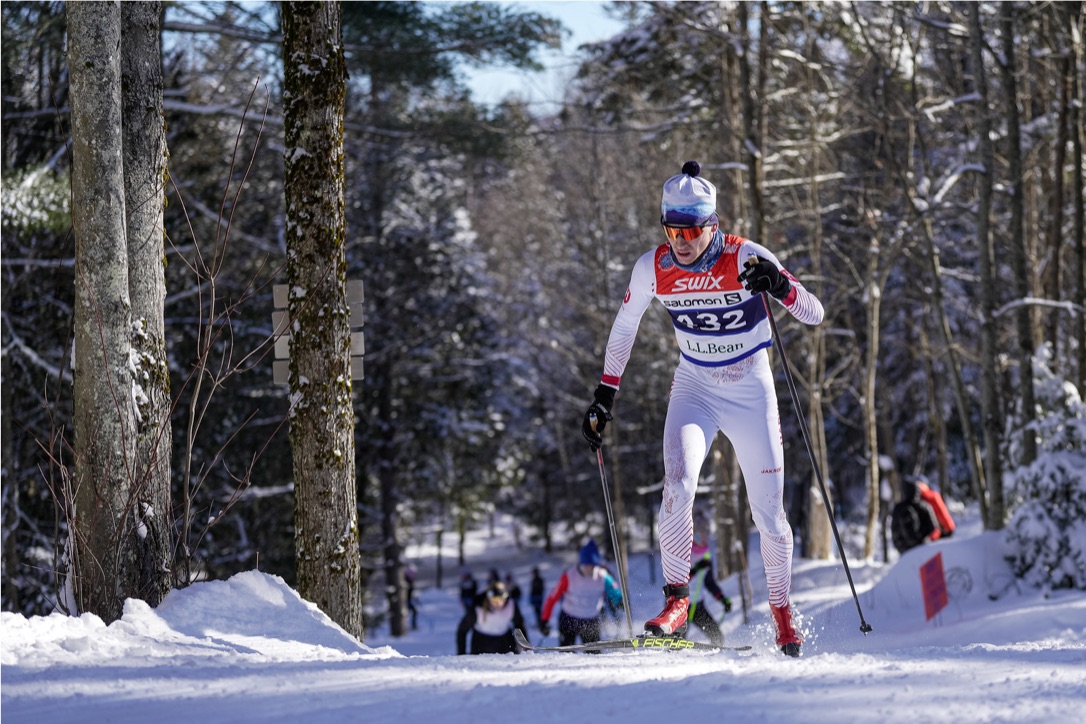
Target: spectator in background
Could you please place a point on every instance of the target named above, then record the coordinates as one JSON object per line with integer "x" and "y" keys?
{"x": 535, "y": 596}
{"x": 942, "y": 513}
{"x": 412, "y": 608}
{"x": 513, "y": 587}
{"x": 921, "y": 516}
{"x": 468, "y": 588}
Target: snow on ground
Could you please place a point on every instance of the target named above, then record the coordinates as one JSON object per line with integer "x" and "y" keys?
{"x": 250, "y": 650}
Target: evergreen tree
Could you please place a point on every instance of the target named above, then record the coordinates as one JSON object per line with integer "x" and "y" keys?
{"x": 1046, "y": 535}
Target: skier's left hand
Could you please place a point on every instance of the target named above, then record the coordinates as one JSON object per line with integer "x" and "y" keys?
{"x": 764, "y": 276}
{"x": 725, "y": 601}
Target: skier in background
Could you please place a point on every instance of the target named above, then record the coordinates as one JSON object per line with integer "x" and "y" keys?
{"x": 490, "y": 621}
{"x": 711, "y": 285}
{"x": 581, "y": 590}
{"x": 701, "y": 577}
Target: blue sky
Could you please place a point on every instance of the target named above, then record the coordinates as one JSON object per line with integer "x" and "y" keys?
{"x": 588, "y": 22}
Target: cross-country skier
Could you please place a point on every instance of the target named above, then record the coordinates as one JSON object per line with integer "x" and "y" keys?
{"x": 490, "y": 621}
{"x": 723, "y": 381}
{"x": 702, "y": 579}
{"x": 582, "y": 590}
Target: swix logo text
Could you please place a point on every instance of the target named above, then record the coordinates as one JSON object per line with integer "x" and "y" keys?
{"x": 697, "y": 284}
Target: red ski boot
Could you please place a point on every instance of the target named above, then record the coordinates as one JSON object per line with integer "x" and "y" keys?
{"x": 787, "y": 637}
{"x": 672, "y": 621}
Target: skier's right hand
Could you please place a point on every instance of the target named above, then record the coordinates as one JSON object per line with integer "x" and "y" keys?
{"x": 598, "y": 415}
{"x": 544, "y": 628}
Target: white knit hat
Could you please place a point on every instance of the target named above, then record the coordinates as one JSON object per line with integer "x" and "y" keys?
{"x": 688, "y": 200}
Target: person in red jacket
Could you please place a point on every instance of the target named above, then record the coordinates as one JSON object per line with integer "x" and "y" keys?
{"x": 919, "y": 517}
{"x": 946, "y": 526}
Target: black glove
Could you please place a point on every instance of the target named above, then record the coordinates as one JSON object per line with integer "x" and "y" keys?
{"x": 764, "y": 276}
{"x": 727, "y": 604}
{"x": 544, "y": 628}
{"x": 598, "y": 415}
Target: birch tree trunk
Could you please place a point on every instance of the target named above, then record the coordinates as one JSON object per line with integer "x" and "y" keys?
{"x": 818, "y": 543}
{"x": 322, "y": 416}
{"x": 105, "y": 410}
{"x": 873, "y": 304}
{"x": 961, "y": 394}
{"x": 144, "y": 146}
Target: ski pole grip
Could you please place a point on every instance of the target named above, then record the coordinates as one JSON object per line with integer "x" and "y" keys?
{"x": 592, "y": 420}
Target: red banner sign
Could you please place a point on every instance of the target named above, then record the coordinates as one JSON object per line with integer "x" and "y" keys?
{"x": 933, "y": 583}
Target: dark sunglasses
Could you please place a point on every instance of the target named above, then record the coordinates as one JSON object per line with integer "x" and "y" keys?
{"x": 687, "y": 233}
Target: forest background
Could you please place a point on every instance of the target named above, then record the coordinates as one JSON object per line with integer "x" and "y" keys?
{"x": 918, "y": 166}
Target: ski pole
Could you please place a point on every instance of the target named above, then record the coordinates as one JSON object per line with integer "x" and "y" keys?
{"x": 865, "y": 627}
{"x": 614, "y": 534}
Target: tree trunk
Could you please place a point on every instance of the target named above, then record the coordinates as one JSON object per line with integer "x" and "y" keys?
{"x": 961, "y": 395}
{"x": 1078, "y": 271}
{"x": 395, "y": 585}
{"x": 751, "y": 124}
{"x": 935, "y": 417}
{"x": 105, "y": 410}
{"x": 724, "y": 507}
{"x": 989, "y": 397}
{"x": 818, "y": 536}
{"x": 1019, "y": 253}
{"x": 151, "y": 551}
{"x": 322, "y": 416}
{"x": 873, "y": 303}
{"x": 1051, "y": 286}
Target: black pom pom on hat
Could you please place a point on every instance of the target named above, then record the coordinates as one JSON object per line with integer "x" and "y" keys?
{"x": 691, "y": 168}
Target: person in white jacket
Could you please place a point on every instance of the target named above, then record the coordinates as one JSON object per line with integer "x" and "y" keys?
{"x": 582, "y": 591}
{"x": 711, "y": 283}
{"x": 490, "y": 622}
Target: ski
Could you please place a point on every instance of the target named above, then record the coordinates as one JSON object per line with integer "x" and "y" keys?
{"x": 643, "y": 642}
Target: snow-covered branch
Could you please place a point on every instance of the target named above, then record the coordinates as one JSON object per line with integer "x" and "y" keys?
{"x": 1035, "y": 302}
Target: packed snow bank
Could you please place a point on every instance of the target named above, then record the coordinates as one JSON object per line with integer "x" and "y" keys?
{"x": 251, "y": 616}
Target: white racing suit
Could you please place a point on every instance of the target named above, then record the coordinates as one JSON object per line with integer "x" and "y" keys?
{"x": 723, "y": 382}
